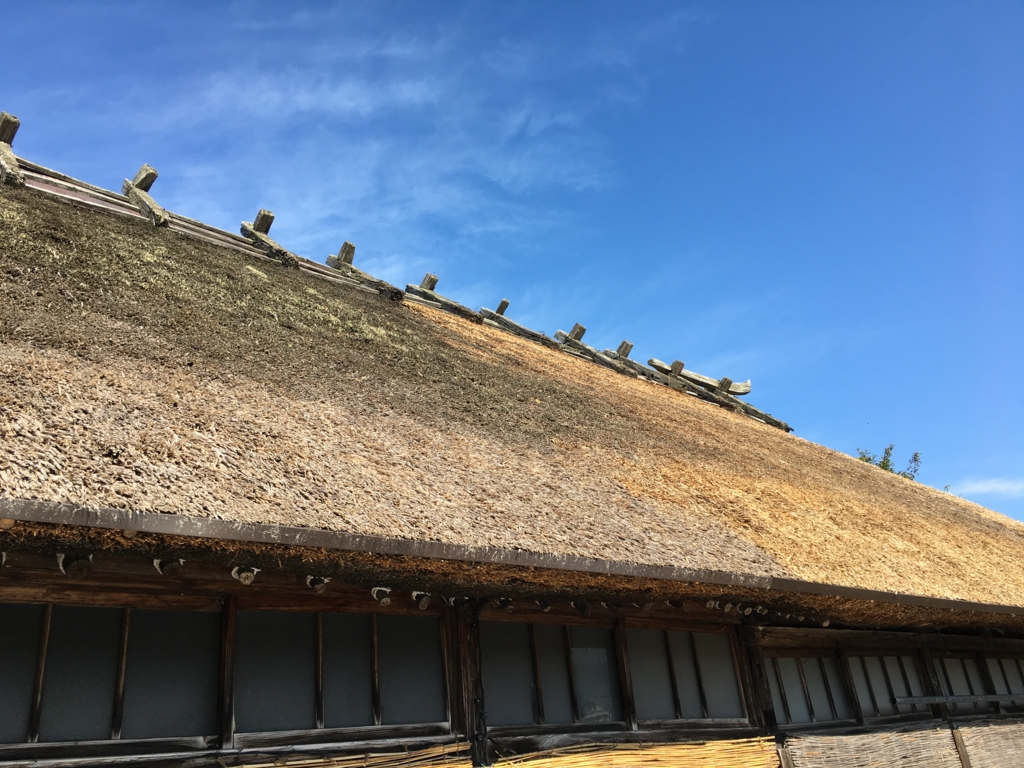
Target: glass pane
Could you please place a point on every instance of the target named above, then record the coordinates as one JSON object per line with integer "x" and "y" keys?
{"x": 974, "y": 677}
{"x": 20, "y": 627}
{"x": 773, "y": 683}
{"x": 507, "y": 669}
{"x": 899, "y": 685}
{"x": 1012, "y": 670}
{"x": 81, "y": 674}
{"x": 718, "y": 673}
{"x": 790, "y": 674}
{"x": 596, "y": 671}
{"x": 995, "y": 671}
{"x": 648, "y": 667}
{"x": 348, "y": 670}
{"x": 681, "y": 644}
{"x": 170, "y": 686}
{"x": 816, "y": 688}
{"x": 957, "y": 678}
{"x": 860, "y": 683}
{"x": 411, "y": 670}
{"x": 916, "y": 689}
{"x": 838, "y": 687}
{"x": 275, "y": 671}
{"x": 876, "y": 676}
{"x": 554, "y": 673}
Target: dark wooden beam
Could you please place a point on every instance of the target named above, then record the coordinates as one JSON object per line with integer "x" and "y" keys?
{"x": 625, "y": 675}
{"x": 375, "y": 669}
{"x": 319, "y": 651}
{"x": 226, "y": 709}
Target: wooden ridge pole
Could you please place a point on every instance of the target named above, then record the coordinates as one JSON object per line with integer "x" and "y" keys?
{"x": 10, "y": 173}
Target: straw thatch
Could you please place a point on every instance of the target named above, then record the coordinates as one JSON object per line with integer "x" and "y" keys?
{"x": 144, "y": 370}
{"x": 724, "y": 753}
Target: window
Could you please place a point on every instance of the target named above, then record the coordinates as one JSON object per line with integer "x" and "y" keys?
{"x": 169, "y": 684}
{"x": 548, "y": 673}
{"x": 962, "y": 676}
{"x": 807, "y": 689}
{"x": 1008, "y": 678}
{"x": 376, "y": 670}
{"x": 683, "y": 675}
{"x": 879, "y": 680}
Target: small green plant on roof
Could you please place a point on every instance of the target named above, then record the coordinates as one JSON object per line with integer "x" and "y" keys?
{"x": 885, "y": 462}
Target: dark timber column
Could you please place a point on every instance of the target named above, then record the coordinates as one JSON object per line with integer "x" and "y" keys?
{"x": 478, "y": 735}
{"x": 625, "y": 678}
{"x": 227, "y": 673}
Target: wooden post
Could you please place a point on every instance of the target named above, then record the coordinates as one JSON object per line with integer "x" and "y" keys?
{"x": 10, "y": 173}
{"x": 576, "y": 334}
{"x": 624, "y": 349}
{"x": 374, "y": 669}
{"x": 429, "y": 282}
{"x": 677, "y": 367}
{"x": 263, "y": 221}
{"x": 319, "y": 651}
{"x": 724, "y": 384}
{"x": 227, "y": 673}
{"x": 144, "y": 178}
{"x": 502, "y": 307}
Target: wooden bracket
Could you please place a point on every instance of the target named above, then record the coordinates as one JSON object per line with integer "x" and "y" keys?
{"x": 429, "y": 282}
{"x": 346, "y": 255}
{"x": 10, "y": 173}
{"x": 502, "y": 306}
{"x": 576, "y": 334}
{"x": 137, "y": 190}
{"x": 624, "y": 349}
{"x": 257, "y": 231}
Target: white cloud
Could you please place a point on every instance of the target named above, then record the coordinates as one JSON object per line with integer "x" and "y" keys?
{"x": 993, "y": 486}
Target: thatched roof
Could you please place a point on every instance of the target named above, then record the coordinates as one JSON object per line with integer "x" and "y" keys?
{"x": 144, "y": 370}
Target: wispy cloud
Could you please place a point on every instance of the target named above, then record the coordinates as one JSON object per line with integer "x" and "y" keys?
{"x": 993, "y": 486}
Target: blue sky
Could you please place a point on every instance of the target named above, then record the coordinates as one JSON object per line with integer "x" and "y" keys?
{"x": 826, "y": 198}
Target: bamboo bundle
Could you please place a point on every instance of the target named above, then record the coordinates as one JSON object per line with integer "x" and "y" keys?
{"x": 913, "y": 747}
{"x": 441, "y": 756}
{"x": 741, "y": 753}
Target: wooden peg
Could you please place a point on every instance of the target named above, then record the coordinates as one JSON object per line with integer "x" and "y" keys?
{"x": 677, "y": 367}
{"x": 429, "y": 282}
{"x": 724, "y": 384}
{"x": 347, "y": 254}
{"x": 263, "y": 221}
{"x": 502, "y": 306}
{"x": 576, "y": 334}
{"x": 8, "y": 127}
{"x": 624, "y": 349}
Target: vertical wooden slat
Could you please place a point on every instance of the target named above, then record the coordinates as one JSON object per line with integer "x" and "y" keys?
{"x": 375, "y": 669}
{"x": 625, "y": 677}
{"x": 122, "y": 666}
{"x": 931, "y": 679}
{"x": 807, "y": 691}
{"x": 970, "y": 685}
{"x": 888, "y": 682}
{"x": 227, "y": 672}
{"x": 987, "y": 679}
{"x": 906, "y": 682}
{"x": 828, "y": 688}
{"x": 851, "y": 688}
{"x": 782, "y": 690}
{"x": 700, "y": 678}
{"x": 37, "y": 685}
{"x": 567, "y": 638}
{"x": 875, "y": 711}
{"x": 446, "y": 663}
{"x": 319, "y": 670}
{"x": 672, "y": 676}
{"x": 537, "y": 686}
{"x": 744, "y": 678}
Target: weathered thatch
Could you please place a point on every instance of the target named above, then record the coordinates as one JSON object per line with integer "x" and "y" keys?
{"x": 144, "y": 370}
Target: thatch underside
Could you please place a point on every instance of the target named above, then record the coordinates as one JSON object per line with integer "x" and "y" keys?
{"x": 143, "y": 370}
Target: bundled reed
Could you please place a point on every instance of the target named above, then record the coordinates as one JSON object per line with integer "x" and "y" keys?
{"x": 740, "y": 753}
{"x": 441, "y": 756}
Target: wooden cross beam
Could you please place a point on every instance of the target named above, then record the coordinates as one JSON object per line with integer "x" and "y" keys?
{"x": 346, "y": 255}
{"x": 576, "y": 334}
{"x": 10, "y": 173}
{"x": 137, "y": 190}
{"x": 502, "y": 307}
{"x": 257, "y": 231}
{"x": 624, "y": 349}
{"x": 429, "y": 282}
